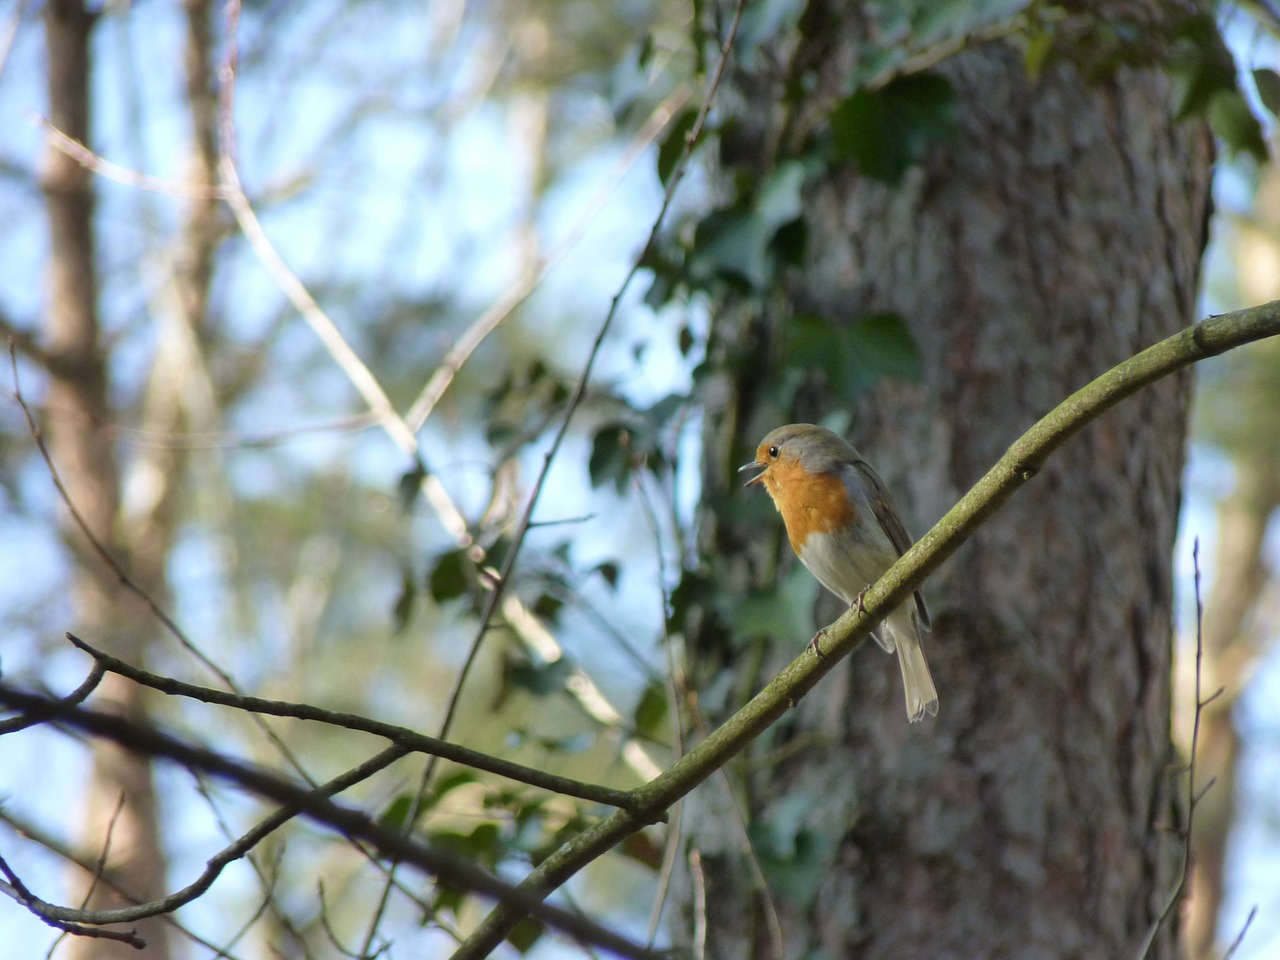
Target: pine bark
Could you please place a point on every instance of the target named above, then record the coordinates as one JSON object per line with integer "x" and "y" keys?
{"x": 1059, "y": 233}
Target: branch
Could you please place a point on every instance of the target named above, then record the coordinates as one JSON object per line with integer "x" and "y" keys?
{"x": 296, "y": 799}
{"x": 16, "y": 889}
{"x": 1020, "y": 463}
{"x": 408, "y": 740}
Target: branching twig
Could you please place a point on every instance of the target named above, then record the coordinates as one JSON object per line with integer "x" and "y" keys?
{"x": 408, "y": 740}
{"x": 294, "y": 800}
{"x": 78, "y": 695}
{"x": 18, "y": 890}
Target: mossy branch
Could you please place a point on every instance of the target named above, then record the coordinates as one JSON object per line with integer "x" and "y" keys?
{"x": 1020, "y": 463}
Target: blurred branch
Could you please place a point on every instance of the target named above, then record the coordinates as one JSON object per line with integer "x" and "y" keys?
{"x": 408, "y": 740}
{"x": 94, "y": 163}
{"x": 123, "y": 576}
{"x": 24, "y": 341}
{"x": 1018, "y": 466}
{"x": 489, "y": 321}
{"x": 526, "y": 626}
{"x": 294, "y": 800}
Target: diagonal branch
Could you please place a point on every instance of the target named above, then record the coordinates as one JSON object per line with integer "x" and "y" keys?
{"x": 1019, "y": 464}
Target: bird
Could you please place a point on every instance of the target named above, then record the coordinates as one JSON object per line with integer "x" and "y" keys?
{"x": 845, "y": 528}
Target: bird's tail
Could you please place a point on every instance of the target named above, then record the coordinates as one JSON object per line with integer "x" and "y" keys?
{"x": 917, "y": 682}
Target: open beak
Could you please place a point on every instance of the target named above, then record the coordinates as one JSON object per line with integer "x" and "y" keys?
{"x": 753, "y": 465}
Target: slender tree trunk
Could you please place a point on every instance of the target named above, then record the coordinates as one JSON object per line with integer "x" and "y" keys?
{"x": 1058, "y": 234}
{"x": 120, "y": 814}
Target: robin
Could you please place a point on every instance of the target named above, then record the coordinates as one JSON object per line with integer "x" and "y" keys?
{"x": 844, "y": 527}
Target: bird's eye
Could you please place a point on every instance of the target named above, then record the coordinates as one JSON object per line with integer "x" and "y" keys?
{"x": 773, "y": 453}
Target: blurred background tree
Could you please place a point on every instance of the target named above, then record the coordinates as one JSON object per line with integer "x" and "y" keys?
{"x": 436, "y": 178}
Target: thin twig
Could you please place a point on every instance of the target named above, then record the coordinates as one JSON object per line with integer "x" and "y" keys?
{"x": 16, "y": 889}
{"x": 104, "y": 168}
{"x": 29, "y": 831}
{"x": 489, "y": 321}
{"x": 408, "y": 740}
{"x": 1193, "y": 797}
{"x": 78, "y": 695}
{"x": 1235, "y": 944}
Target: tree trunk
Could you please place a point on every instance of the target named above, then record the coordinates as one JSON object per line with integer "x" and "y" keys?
{"x": 120, "y": 802}
{"x": 1059, "y": 233}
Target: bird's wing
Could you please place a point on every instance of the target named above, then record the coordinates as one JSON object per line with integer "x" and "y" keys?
{"x": 885, "y": 511}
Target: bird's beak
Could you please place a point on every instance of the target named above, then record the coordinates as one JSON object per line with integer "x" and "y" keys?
{"x": 762, "y": 467}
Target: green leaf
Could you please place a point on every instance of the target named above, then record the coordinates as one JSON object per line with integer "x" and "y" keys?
{"x": 884, "y": 132}
{"x": 651, "y": 711}
{"x": 1268, "y": 84}
{"x": 732, "y": 245}
{"x": 785, "y": 614}
{"x": 403, "y": 609}
{"x": 609, "y": 570}
{"x": 411, "y": 485}
{"x": 525, "y": 934}
{"x": 1234, "y": 122}
{"x": 881, "y": 346}
{"x": 541, "y": 679}
{"x": 780, "y": 200}
{"x": 451, "y": 576}
{"x": 548, "y": 606}
{"x": 611, "y": 457}
{"x": 673, "y": 145}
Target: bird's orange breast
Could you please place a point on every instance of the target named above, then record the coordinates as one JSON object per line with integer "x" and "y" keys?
{"x": 809, "y": 502}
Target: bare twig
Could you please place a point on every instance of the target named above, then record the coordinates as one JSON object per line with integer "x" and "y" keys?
{"x": 16, "y": 889}
{"x": 78, "y": 695}
{"x": 408, "y": 740}
{"x": 1193, "y": 796}
{"x": 489, "y": 321}
{"x": 93, "y": 162}
{"x": 1235, "y": 944}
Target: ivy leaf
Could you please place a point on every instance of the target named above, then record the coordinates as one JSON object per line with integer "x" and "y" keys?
{"x": 611, "y": 457}
{"x": 541, "y": 679}
{"x": 525, "y": 934}
{"x": 451, "y": 576}
{"x": 1268, "y": 84}
{"x": 672, "y": 148}
{"x": 651, "y": 711}
{"x": 880, "y": 346}
{"x": 885, "y": 132}
{"x": 1234, "y": 122}
{"x": 403, "y": 610}
{"x": 732, "y": 245}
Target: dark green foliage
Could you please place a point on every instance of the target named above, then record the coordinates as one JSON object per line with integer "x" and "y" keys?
{"x": 885, "y": 132}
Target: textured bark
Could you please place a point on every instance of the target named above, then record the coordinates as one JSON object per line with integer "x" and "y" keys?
{"x": 1060, "y": 233}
